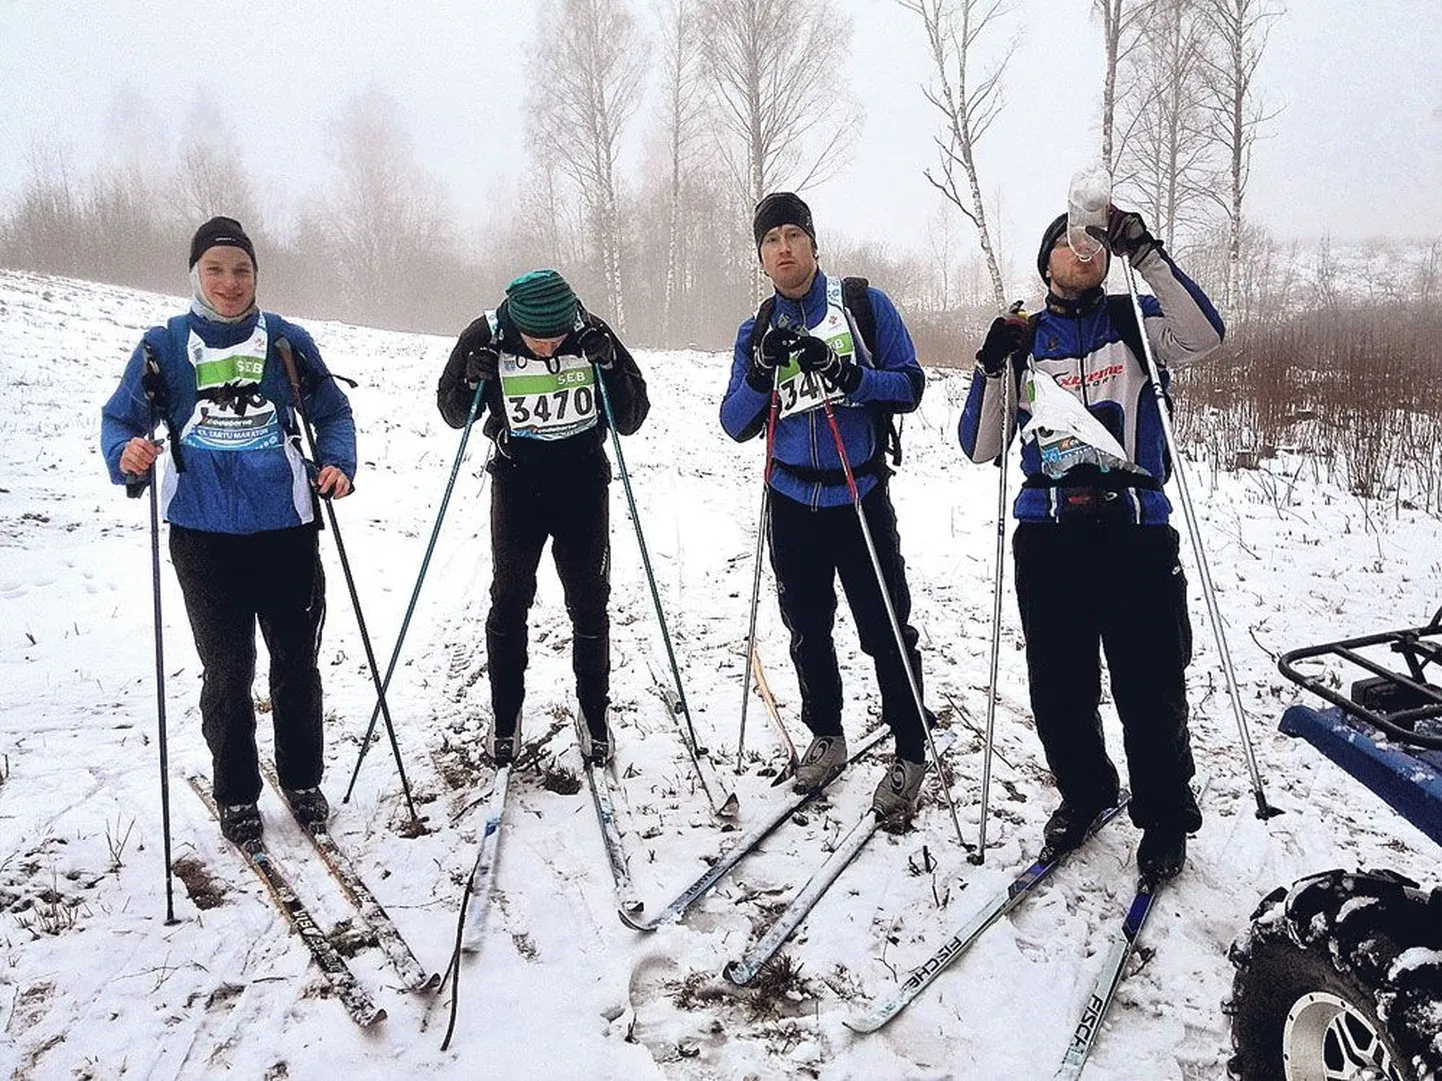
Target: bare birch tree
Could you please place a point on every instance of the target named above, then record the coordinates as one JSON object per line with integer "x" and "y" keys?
{"x": 684, "y": 109}
{"x": 46, "y": 231}
{"x": 210, "y": 173}
{"x": 969, "y": 100}
{"x": 775, "y": 68}
{"x": 1238, "y": 29}
{"x": 1121, "y": 33}
{"x": 581, "y": 102}
{"x": 1166, "y": 154}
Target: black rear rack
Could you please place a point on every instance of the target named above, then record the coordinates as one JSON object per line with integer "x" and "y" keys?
{"x": 1391, "y": 700}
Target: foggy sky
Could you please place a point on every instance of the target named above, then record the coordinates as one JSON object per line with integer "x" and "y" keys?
{"x": 1356, "y": 150}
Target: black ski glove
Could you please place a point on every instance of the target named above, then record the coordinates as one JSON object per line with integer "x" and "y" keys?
{"x": 482, "y": 363}
{"x": 153, "y": 383}
{"x": 771, "y": 352}
{"x": 814, "y": 355}
{"x": 1126, "y": 234}
{"x": 598, "y": 347}
{"x": 1007, "y": 337}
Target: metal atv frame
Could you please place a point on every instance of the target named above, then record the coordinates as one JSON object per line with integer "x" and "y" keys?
{"x": 1372, "y": 733}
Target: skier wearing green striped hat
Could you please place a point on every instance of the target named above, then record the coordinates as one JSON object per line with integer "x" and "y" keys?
{"x": 536, "y": 359}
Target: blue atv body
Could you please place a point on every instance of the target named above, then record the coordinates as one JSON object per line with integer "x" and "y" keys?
{"x": 1387, "y": 732}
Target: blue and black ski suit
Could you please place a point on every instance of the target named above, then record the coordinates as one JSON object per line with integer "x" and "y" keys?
{"x": 813, "y": 531}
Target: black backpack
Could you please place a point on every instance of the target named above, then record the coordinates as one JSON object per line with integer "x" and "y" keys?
{"x": 857, "y": 301}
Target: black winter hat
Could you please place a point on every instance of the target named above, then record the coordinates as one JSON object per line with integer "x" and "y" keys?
{"x": 221, "y": 231}
{"x": 541, "y": 304}
{"x": 781, "y": 208}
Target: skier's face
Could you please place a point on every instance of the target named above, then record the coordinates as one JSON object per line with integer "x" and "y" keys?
{"x": 542, "y": 347}
{"x": 788, "y": 256}
{"x": 227, "y": 278}
{"x": 1070, "y": 276}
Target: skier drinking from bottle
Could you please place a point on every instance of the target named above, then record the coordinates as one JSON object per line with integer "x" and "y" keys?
{"x": 808, "y": 353}
{"x": 1096, "y": 561}
{"x": 536, "y": 360}
{"x": 243, "y": 520}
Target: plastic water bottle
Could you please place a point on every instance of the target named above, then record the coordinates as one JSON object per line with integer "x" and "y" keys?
{"x": 1087, "y": 201}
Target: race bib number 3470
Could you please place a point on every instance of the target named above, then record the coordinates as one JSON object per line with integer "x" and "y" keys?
{"x": 548, "y": 398}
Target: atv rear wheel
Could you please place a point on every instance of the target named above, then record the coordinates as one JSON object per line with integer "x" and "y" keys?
{"x": 1339, "y": 978}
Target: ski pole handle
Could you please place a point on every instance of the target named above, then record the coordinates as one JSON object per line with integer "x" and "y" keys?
{"x": 136, "y": 483}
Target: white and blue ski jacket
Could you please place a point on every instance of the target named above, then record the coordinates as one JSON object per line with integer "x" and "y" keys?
{"x": 233, "y": 413}
{"x": 808, "y": 468}
{"x": 1090, "y": 347}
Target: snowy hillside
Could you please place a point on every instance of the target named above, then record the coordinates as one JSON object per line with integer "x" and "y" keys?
{"x": 94, "y": 984}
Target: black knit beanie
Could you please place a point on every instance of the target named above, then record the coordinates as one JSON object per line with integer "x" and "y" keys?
{"x": 541, "y": 304}
{"x": 781, "y": 208}
{"x": 221, "y": 231}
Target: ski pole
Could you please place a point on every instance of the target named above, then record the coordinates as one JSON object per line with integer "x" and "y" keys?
{"x": 420, "y": 578}
{"x": 287, "y": 356}
{"x": 746, "y": 663}
{"x": 723, "y": 803}
{"x": 891, "y": 613}
{"x": 1008, "y": 415}
{"x": 152, "y": 376}
{"x": 1264, "y": 809}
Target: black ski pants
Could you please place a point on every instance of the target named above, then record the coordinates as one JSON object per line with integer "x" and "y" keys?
{"x": 230, "y": 583}
{"x": 1089, "y": 587}
{"x": 810, "y": 549}
{"x": 573, "y": 510}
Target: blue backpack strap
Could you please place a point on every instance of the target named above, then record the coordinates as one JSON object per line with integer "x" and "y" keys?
{"x": 303, "y": 371}
{"x": 1124, "y": 317}
{"x": 179, "y": 328}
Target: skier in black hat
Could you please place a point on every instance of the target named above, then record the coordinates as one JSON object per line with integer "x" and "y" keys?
{"x": 243, "y": 523}
{"x": 1096, "y": 560}
{"x": 808, "y": 347}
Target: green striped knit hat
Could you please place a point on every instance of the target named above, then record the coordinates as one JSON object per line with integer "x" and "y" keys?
{"x": 541, "y": 304}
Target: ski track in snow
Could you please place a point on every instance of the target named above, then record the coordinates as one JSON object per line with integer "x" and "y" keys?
{"x": 560, "y": 989}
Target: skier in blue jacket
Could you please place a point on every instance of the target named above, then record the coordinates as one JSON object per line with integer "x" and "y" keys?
{"x": 240, "y": 500}
{"x": 1096, "y": 560}
{"x": 810, "y": 350}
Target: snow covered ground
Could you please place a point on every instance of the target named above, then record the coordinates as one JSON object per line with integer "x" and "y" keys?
{"x": 94, "y": 984}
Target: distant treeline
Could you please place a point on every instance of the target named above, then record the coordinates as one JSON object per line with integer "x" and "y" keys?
{"x": 1329, "y": 352}
{"x": 379, "y": 246}
{"x": 381, "y": 259}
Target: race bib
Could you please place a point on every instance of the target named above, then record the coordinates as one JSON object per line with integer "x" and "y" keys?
{"x": 230, "y": 411}
{"x": 803, "y": 391}
{"x": 548, "y": 397}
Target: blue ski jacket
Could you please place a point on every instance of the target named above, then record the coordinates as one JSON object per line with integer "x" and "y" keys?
{"x": 1092, "y": 349}
{"x": 261, "y": 481}
{"x": 808, "y": 468}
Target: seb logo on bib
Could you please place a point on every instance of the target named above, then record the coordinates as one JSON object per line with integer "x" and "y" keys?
{"x": 548, "y": 397}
